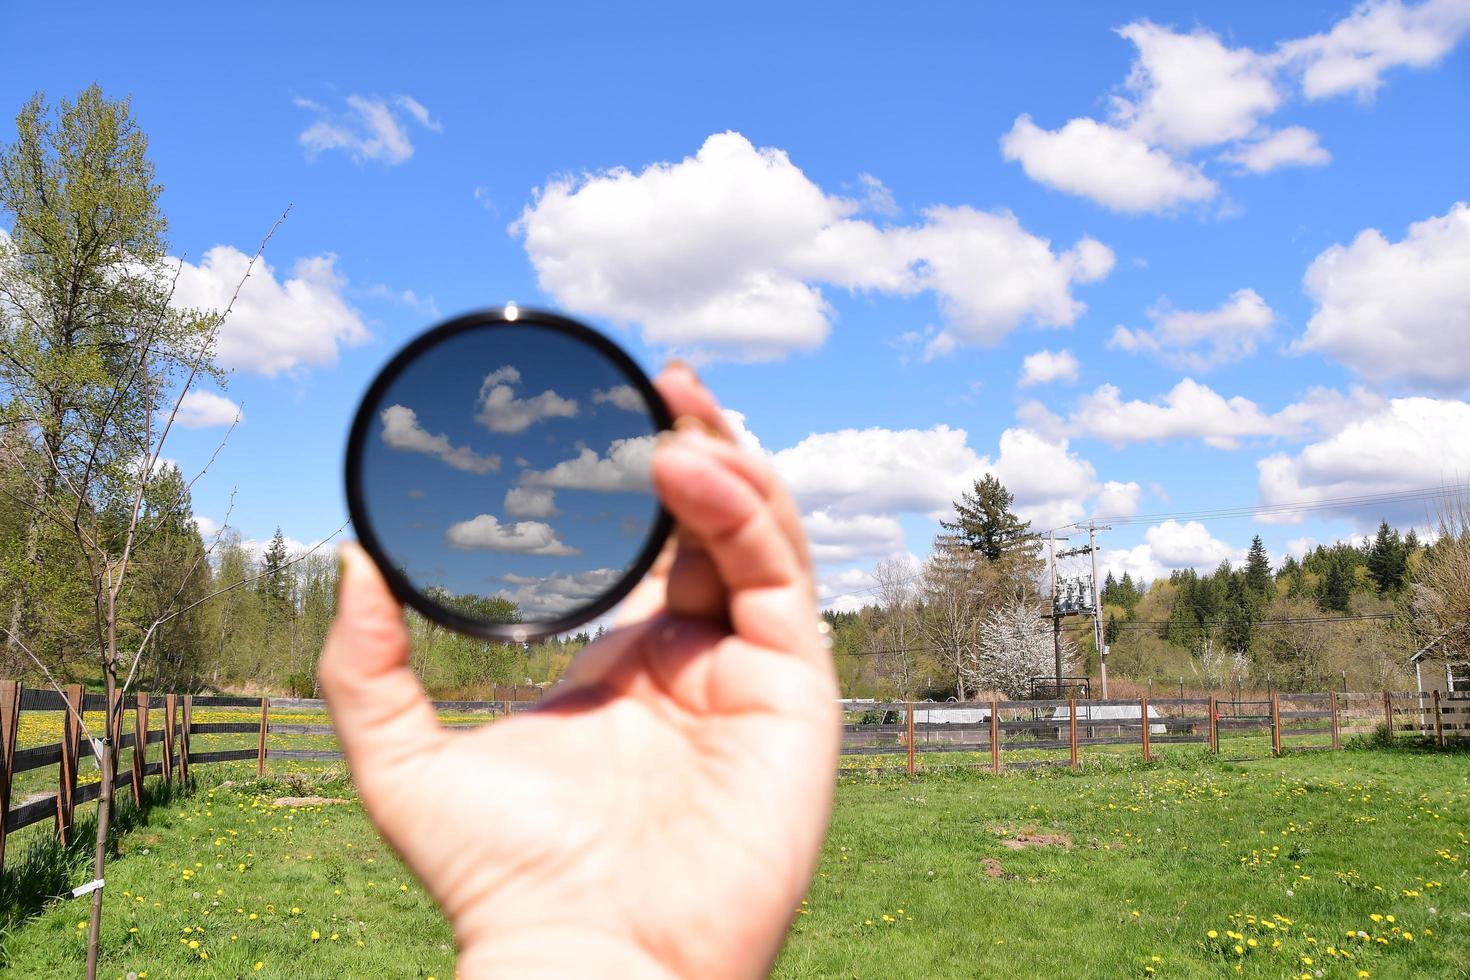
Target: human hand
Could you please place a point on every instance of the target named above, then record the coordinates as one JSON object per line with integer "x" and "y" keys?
{"x": 662, "y": 813}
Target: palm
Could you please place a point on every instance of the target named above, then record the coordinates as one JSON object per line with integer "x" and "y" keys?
{"x": 663, "y": 813}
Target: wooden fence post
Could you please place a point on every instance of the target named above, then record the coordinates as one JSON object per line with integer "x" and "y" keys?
{"x": 171, "y": 714}
{"x": 71, "y": 744}
{"x": 9, "y": 725}
{"x": 140, "y": 747}
{"x": 1072, "y": 728}
{"x": 1275, "y": 725}
{"x": 910, "y": 729}
{"x": 1143, "y": 717}
{"x": 1388, "y": 713}
{"x": 1214, "y": 724}
{"x": 260, "y": 753}
{"x": 1438, "y": 721}
{"x": 995, "y": 736}
{"x": 1336, "y": 724}
{"x": 184, "y": 738}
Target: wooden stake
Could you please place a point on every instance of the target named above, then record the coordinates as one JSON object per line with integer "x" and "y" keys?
{"x": 1336, "y": 724}
{"x": 1214, "y": 724}
{"x": 1143, "y": 717}
{"x": 995, "y": 736}
{"x": 1072, "y": 728}
{"x": 1275, "y": 725}
{"x": 184, "y": 738}
{"x": 1388, "y": 713}
{"x": 9, "y": 726}
{"x": 910, "y": 727}
{"x": 1438, "y": 721}
{"x": 260, "y": 753}
{"x": 171, "y": 715}
{"x": 71, "y": 744}
{"x": 140, "y": 747}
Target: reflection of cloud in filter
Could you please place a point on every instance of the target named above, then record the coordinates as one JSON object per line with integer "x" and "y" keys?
{"x": 555, "y": 595}
{"x": 628, "y": 465}
{"x": 530, "y": 502}
{"x": 502, "y": 411}
{"x": 485, "y": 533}
{"x": 401, "y": 430}
{"x": 625, "y": 397}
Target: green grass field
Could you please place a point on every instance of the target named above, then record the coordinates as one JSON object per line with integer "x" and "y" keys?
{"x": 1318, "y": 865}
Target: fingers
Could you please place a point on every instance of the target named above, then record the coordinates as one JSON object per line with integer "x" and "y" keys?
{"x": 380, "y": 712}
{"x": 702, "y": 481}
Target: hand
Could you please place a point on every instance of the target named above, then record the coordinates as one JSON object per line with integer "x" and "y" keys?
{"x": 662, "y": 814}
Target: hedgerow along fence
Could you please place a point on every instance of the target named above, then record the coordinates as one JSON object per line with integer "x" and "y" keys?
{"x": 1006, "y": 734}
{"x": 1028, "y": 734}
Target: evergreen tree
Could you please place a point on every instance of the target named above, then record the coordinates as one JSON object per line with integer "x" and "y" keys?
{"x": 984, "y": 522}
{"x": 1258, "y": 571}
{"x": 1335, "y": 590}
{"x": 1110, "y": 630}
{"x": 1110, "y": 590}
{"x": 1388, "y": 560}
{"x": 274, "y": 586}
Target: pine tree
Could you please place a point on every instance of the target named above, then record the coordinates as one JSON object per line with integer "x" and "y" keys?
{"x": 984, "y": 522}
{"x": 1110, "y": 590}
{"x": 273, "y": 584}
{"x": 1258, "y": 571}
{"x": 1335, "y": 590}
{"x": 1388, "y": 560}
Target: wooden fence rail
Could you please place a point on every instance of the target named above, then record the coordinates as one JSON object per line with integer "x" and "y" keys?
{"x": 1026, "y": 730}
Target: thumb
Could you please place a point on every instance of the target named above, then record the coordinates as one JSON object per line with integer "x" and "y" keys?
{"x": 380, "y": 712}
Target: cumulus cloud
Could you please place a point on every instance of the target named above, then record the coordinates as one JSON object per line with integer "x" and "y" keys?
{"x": 1354, "y": 54}
{"x": 205, "y": 409}
{"x": 1118, "y": 499}
{"x": 486, "y": 533}
{"x": 1189, "y": 410}
{"x": 369, "y": 129}
{"x": 274, "y": 325}
{"x": 625, "y": 397}
{"x": 530, "y": 502}
{"x": 401, "y": 430}
{"x": 501, "y": 411}
{"x": 1105, "y": 164}
{"x": 628, "y": 465}
{"x": 1189, "y": 545}
{"x": 1397, "y": 310}
{"x": 553, "y": 596}
{"x": 1409, "y": 444}
{"x": 846, "y": 539}
{"x": 1046, "y": 366}
{"x": 1295, "y": 146}
{"x": 1202, "y": 340}
{"x": 726, "y": 253}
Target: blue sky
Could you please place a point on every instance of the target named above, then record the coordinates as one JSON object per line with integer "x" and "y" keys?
{"x": 1229, "y": 240}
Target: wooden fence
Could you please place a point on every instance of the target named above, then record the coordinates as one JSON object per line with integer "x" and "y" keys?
{"x": 1055, "y": 732}
{"x": 1033, "y": 733}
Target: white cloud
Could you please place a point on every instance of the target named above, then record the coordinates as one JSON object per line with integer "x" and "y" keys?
{"x": 370, "y": 129}
{"x": 736, "y": 421}
{"x": 1410, "y": 444}
{"x": 877, "y": 198}
{"x": 275, "y": 325}
{"x": 1117, "y": 499}
{"x": 1046, "y": 366}
{"x": 1105, "y": 164}
{"x": 552, "y": 596}
{"x": 1190, "y": 90}
{"x": 501, "y": 411}
{"x": 847, "y": 590}
{"x": 530, "y": 502}
{"x": 725, "y": 254}
{"x": 845, "y": 539}
{"x": 1294, "y": 146}
{"x": 205, "y": 409}
{"x": 1189, "y": 545}
{"x": 628, "y": 465}
{"x": 486, "y": 533}
{"x": 1375, "y": 37}
{"x": 1202, "y": 340}
{"x": 401, "y": 430}
{"x": 1397, "y": 310}
{"x": 1189, "y": 410}
{"x": 625, "y": 397}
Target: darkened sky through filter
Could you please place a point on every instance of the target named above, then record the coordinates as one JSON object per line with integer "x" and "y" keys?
{"x": 511, "y": 461}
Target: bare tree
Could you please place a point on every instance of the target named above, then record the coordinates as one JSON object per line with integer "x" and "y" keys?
{"x": 1439, "y": 594}
{"x": 896, "y": 640}
{"x": 954, "y": 595}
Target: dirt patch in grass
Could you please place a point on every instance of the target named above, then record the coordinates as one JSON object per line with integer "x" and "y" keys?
{"x": 1037, "y": 840}
{"x": 993, "y": 868}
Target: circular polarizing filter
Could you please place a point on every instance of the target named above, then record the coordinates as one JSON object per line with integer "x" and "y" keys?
{"x": 499, "y": 471}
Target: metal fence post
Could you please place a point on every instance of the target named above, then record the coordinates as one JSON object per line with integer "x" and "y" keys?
{"x": 1143, "y": 728}
{"x": 260, "y": 753}
{"x": 1214, "y": 708}
{"x": 995, "y": 736}
{"x": 909, "y": 726}
{"x": 1072, "y": 728}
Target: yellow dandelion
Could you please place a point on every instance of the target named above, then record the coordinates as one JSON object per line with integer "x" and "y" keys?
{"x": 1213, "y": 934}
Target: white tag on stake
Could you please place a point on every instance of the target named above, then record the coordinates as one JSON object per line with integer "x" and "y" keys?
{"x": 97, "y": 749}
{"x": 86, "y": 889}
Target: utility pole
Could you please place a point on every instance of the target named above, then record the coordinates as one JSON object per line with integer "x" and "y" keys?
{"x": 1056, "y": 613}
{"x": 1097, "y": 624}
